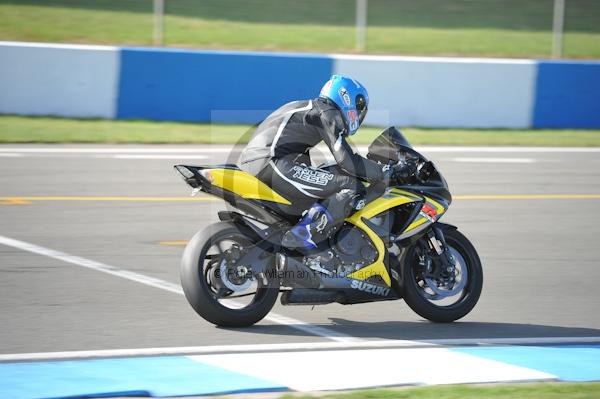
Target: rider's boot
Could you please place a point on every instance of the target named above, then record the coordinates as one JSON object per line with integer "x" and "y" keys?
{"x": 321, "y": 219}
{"x": 309, "y": 231}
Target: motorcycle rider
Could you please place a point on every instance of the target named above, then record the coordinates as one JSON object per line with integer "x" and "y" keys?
{"x": 278, "y": 155}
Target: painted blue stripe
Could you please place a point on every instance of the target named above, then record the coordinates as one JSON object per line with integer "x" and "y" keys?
{"x": 205, "y": 86}
{"x": 567, "y": 362}
{"x": 567, "y": 95}
{"x": 153, "y": 376}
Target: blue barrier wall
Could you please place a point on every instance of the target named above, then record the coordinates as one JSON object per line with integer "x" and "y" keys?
{"x": 244, "y": 87}
{"x": 214, "y": 86}
{"x": 567, "y": 95}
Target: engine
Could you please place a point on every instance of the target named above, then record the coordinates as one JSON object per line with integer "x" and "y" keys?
{"x": 350, "y": 250}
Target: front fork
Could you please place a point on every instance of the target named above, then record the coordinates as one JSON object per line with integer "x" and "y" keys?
{"x": 443, "y": 259}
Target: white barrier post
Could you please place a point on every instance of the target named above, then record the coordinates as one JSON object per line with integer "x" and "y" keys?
{"x": 558, "y": 25}
{"x": 159, "y": 11}
{"x": 361, "y": 25}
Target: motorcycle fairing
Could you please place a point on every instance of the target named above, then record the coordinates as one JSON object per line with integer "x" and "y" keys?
{"x": 248, "y": 187}
{"x": 240, "y": 189}
{"x": 391, "y": 199}
{"x": 430, "y": 212}
{"x": 243, "y": 184}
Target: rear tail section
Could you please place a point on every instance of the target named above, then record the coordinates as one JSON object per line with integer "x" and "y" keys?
{"x": 225, "y": 180}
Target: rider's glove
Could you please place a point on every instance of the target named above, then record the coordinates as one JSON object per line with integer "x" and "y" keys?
{"x": 388, "y": 175}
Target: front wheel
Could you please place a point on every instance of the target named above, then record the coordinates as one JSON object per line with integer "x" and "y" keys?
{"x": 219, "y": 289}
{"x": 442, "y": 296}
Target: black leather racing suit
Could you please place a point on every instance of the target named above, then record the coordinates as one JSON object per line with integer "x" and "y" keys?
{"x": 278, "y": 155}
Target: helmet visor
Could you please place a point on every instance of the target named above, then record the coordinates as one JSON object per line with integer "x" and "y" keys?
{"x": 361, "y": 107}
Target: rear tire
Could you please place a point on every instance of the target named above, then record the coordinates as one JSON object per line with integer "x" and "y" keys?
{"x": 198, "y": 292}
{"x": 413, "y": 294}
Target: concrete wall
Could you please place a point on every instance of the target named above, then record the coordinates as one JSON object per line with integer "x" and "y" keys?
{"x": 230, "y": 87}
{"x": 74, "y": 81}
{"x": 445, "y": 92}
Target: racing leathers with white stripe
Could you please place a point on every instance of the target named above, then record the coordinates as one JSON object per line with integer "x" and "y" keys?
{"x": 286, "y": 136}
{"x": 278, "y": 154}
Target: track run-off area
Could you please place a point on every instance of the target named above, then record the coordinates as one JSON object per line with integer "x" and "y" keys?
{"x": 90, "y": 242}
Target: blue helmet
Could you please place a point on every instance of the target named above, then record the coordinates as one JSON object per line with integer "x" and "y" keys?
{"x": 350, "y": 96}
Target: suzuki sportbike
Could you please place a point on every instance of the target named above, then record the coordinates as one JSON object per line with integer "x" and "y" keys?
{"x": 394, "y": 247}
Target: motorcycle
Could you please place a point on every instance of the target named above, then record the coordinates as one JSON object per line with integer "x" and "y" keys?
{"x": 394, "y": 247}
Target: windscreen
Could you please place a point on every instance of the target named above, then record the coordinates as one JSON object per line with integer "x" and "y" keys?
{"x": 391, "y": 145}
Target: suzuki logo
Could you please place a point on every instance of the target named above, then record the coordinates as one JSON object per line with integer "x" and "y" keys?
{"x": 369, "y": 288}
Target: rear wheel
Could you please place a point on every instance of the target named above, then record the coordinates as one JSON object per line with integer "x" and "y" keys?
{"x": 442, "y": 296}
{"x": 219, "y": 289}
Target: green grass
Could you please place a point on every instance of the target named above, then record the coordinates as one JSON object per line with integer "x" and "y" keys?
{"x": 514, "y": 391}
{"x": 18, "y": 129}
{"x": 510, "y": 28}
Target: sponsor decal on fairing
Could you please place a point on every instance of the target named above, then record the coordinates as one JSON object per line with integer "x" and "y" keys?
{"x": 429, "y": 213}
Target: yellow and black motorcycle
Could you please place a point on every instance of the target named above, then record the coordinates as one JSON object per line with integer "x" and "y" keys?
{"x": 394, "y": 247}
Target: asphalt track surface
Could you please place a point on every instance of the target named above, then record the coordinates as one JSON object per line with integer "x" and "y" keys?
{"x": 533, "y": 215}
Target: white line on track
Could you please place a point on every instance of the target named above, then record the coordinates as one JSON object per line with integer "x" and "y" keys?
{"x": 494, "y": 160}
{"x": 164, "y": 285}
{"x": 90, "y": 264}
{"x": 155, "y": 156}
{"x": 300, "y": 346}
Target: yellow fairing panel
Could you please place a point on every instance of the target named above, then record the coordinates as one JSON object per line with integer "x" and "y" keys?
{"x": 244, "y": 184}
{"x": 390, "y": 200}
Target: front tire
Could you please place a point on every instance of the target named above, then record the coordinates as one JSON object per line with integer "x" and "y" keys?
{"x": 198, "y": 291}
{"x": 424, "y": 303}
